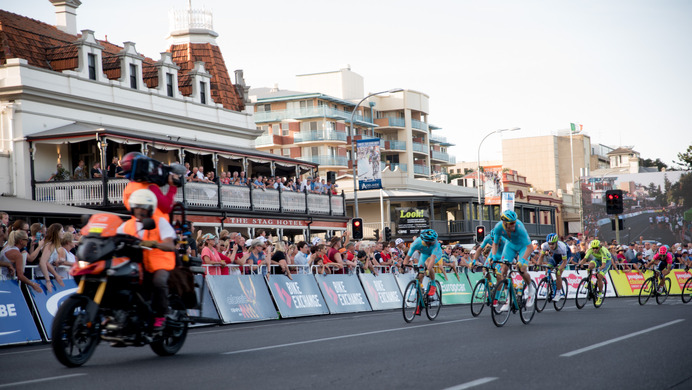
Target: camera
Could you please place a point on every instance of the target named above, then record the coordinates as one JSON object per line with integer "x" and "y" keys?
{"x": 149, "y": 170}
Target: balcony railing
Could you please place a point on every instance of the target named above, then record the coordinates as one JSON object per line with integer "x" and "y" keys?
{"x": 402, "y": 167}
{"x": 419, "y": 125}
{"x": 438, "y": 138}
{"x": 264, "y": 140}
{"x": 327, "y": 160}
{"x": 205, "y": 195}
{"x": 397, "y": 145}
{"x": 326, "y": 135}
{"x": 421, "y": 169}
{"x": 309, "y": 112}
{"x": 419, "y": 147}
{"x": 397, "y": 122}
{"x": 440, "y": 155}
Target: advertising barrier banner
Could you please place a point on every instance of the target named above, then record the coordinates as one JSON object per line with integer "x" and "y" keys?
{"x": 298, "y": 297}
{"x": 241, "y": 298}
{"x": 46, "y": 304}
{"x": 678, "y": 277}
{"x": 343, "y": 293}
{"x": 382, "y": 291}
{"x": 16, "y": 323}
{"x": 574, "y": 277}
{"x": 628, "y": 283}
{"x": 454, "y": 291}
{"x": 208, "y": 307}
{"x": 402, "y": 280}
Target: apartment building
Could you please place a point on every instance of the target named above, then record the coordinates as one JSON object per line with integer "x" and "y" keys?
{"x": 313, "y": 124}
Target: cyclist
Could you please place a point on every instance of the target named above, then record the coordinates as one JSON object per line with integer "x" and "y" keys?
{"x": 557, "y": 252}
{"x": 664, "y": 261}
{"x": 488, "y": 241}
{"x": 517, "y": 244}
{"x": 430, "y": 250}
{"x": 602, "y": 262}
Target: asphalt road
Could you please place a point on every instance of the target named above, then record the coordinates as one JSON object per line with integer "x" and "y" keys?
{"x": 620, "y": 346}
{"x": 639, "y": 226}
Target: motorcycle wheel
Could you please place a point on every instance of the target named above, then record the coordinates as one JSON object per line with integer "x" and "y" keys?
{"x": 74, "y": 337}
{"x": 174, "y": 335}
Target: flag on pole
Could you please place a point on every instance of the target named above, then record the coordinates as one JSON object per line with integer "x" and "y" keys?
{"x": 576, "y": 128}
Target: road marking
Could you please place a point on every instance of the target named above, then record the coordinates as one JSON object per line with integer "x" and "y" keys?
{"x": 40, "y": 380}
{"x": 30, "y": 351}
{"x": 471, "y": 384}
{"x": 342, "y": 337}
{"x": 615, "y": 340}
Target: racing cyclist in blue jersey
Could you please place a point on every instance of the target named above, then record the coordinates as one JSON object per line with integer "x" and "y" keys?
{"x": 557, "y": 252}
{"x": 488, "y": 241}
{"x": 430, "y": 250}
{"x": 517, "y": 244}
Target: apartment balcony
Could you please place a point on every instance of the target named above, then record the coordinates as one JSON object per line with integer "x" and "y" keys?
{"x": 402, "y": 167}
{"x": 421, "y": 169}
{"x": 390, "y": 122}
{"x": 439, "y": 139}
{"x": 397, "y": 145}
{"x": 419, "y": 125}
{"x": 419, "y": 147}
{"x": 333, "y": 161}
{"x": 310, "y": 112}
{"x": 442, "y": 156}
{"x": 100, "y": 193}
{"x": 320, "y": 136}
{"x": 264, "y": 140}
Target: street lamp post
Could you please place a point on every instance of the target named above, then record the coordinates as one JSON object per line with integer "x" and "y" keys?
{"x": 353, "y": 148}
{"x": 478, "y": 171}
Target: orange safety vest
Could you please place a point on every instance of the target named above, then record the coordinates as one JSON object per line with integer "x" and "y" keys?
{"x": 154, "y": 259}
{"x": 134, "y": 186}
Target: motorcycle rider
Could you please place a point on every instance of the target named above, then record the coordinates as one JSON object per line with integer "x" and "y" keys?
{"x": 161, "y": 258}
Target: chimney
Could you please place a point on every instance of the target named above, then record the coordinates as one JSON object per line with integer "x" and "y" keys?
{"x": 66, "y": 15}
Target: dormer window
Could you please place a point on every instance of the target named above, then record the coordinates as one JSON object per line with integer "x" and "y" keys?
{"x": 133, "y": 76}
{"x": 203, "y": 92}
{"x": 169, "y": 84}
{"x": 91, "y": 64}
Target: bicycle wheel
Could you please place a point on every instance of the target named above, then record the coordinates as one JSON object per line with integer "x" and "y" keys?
{"x": 479, "y": 298}
{"x": 596, "y": 303}
{"x": 687, "y": 291}
{"x": 646, "y": 291}
{"x": 501, "y": 292}
{"x": 526, "y": 311}
{"x": 662, "y": 296}
{"x": 561, "y": 303}
{"x": 410, "y": 302}
{"x": 543, "y": 294}
{"x": 582, "y": 293}
{"x": 434, "y": 304}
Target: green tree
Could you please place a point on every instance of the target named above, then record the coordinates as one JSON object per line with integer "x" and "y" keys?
{"x": 647, "y": 162}
{"x": 681, "y": 192}
{"x": 685, "y": 159}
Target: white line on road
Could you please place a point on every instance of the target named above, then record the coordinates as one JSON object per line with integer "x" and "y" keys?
{"x": 471, "y": 384}
{"x": 29, "y": 351}
{"x": 615, "y": 340}
{"x": 342, "y": 337}
{"x": 39, "y": 380}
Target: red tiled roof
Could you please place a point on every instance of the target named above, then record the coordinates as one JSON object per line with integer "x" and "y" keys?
{"x": 46, "y": 46}
{"x": 222, "y": 90}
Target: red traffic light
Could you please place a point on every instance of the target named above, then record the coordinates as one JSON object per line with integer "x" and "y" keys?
{"x": 356, "y": 223}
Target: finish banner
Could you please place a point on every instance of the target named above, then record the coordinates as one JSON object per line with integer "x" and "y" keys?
{"x": 343, "y": 293}
{"x": 16, "y": 323}
{"x": 46, "y": 304}
{"x": 241, "y": 298}
{"x": 382, "y": 291}
{"x": 454, "y": 291}
{"x": 298, "y": 297}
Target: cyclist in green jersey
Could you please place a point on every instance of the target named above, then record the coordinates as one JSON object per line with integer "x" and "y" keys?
{"x": 602, "y": 261}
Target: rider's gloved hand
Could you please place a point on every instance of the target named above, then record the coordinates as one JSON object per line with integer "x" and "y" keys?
{"x": 148, "y": 244}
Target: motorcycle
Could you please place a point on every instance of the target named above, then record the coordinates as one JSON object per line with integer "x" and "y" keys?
{"x": 111, "y": 302}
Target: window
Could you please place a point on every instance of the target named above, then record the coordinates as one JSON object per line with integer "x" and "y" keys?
{"x": 305, "y": 103}
{"x": 264, "y": 107}
{"x": 169, "y": 84}
{"x": 203, "y": 92}
{"x": 133, "y": 76}
{"x": 286, "y": 152}
{"x": 284, "y": 129}
{"x": 308, "y": 126}
{"x": 91, "y": 64}
{"x": 314, "y": 151}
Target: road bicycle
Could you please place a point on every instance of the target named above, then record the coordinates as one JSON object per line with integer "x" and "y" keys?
{"x": 687, "y": 289}
{"x": 481, "y": 295}
{"x": 415, "y": 300}
{"x": 505, "y": 292}
{"x": 588, "y": 290}
{"x": 547, "y": 289}
{"x": 652, "y": 287}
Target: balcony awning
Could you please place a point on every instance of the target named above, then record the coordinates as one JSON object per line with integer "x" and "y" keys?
{"x": 19, "y": 206}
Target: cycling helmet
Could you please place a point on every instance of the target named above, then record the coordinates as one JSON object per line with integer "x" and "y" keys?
{"x": 128, "y": 159}
{"x": 551, "y": 238}
{"x": 508, "y": 216}
{"x": 662, "y": 250}
{"x": 595, "y": 244}
{"x": 143, "y": 199}
{"x": 428, "y": 235}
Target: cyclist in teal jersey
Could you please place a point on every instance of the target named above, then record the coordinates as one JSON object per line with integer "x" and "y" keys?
{"x": 430, "y": 250}
{"x": 517, "y": 244}
{"x": 602, "y": 261}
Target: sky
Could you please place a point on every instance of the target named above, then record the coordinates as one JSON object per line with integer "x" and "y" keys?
{"x": 620, "y": 68}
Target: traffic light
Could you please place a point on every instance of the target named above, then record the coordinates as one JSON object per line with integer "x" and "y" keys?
{"x": 480, "y": 233}
{"x": 614, "y": 202}
{"x": 357, "y": 228}
{"x": 377, "y": 234}
{"x": 387, "y": 234}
